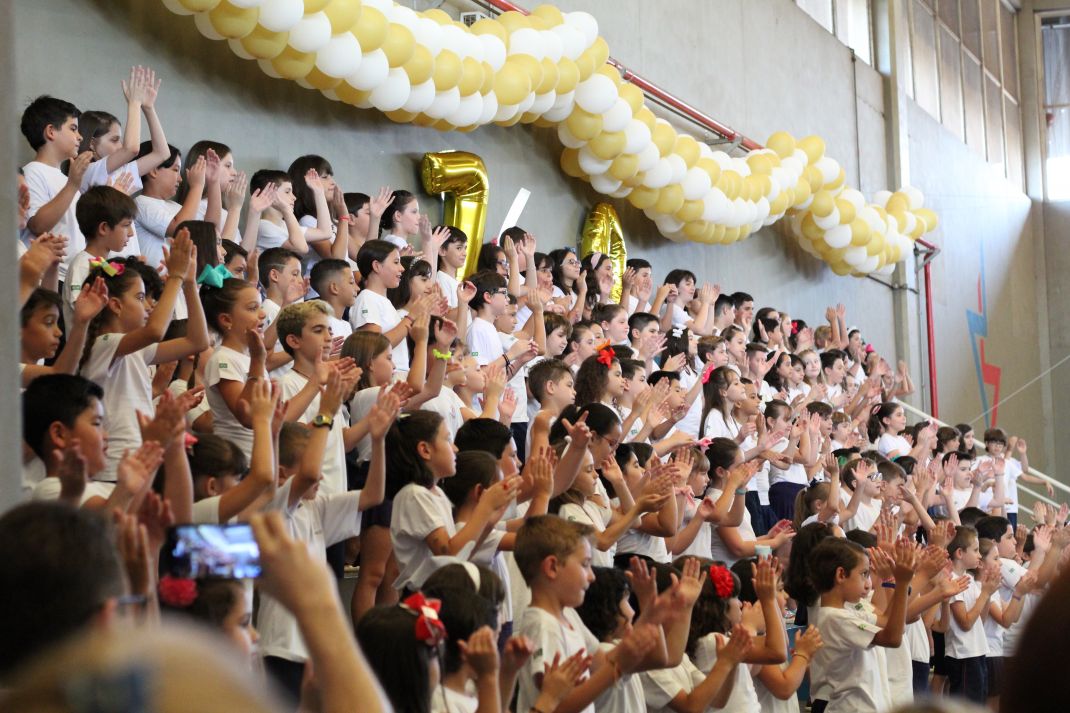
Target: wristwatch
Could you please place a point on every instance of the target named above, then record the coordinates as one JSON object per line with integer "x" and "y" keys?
{"x": 323, "y": 421}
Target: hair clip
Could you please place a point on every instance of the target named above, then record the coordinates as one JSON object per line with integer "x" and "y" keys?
{"x": 794, "y": 327}
{"x": 722, "y": 581}
{"x": 109, "y": 268}
{"x": 177, "y": 591}
{"x": 191, "y": 441}
{"x": 214, "y": 276}
{"x": 677, "y": 332}
{"x": 595, "y": 257}
{"x": 429, "y": 628}
{"x": 606, "y": 355}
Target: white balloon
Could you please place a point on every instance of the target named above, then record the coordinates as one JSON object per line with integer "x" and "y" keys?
{"x": 552, "y": 46}
{"x": 527, "y": 41}
{"x": 659, "y": 176}
{"x": 761, "y": 209}
{"x": 490, "y": 108}
{"x": 543, "y": 103}
{"x": 793, "y": 167}
{"x": 380, "y": 5}
{"x": 341, "y": 57}
{"x": 561, "y": 109}
{"x": 838, "y": 237}
{"x": 597, "y": 94}
{"x": 723, "y": 160}
{"x": 887, "y": 270}
{"x": 403, "y": 15}
{"x": 494, "y": 51}
{"x": 830, "y": 170}
{"x": 506, "y": 112}
{"x": 800, "y": 156}
{"x": 881, "y": 198}
{"x": 428, "y": 33}
{"x": 585, "y": 23}
{"x": 311, "y": 33}
{"x": 855, "y": 255}
{"x": 572, "y": 40}
{"x": 855, "y": 198}
{"x": 525, "y": 105}
{"x": 473, "y": 47}
{"x": 911, "y": 223}
{"x": 281, "y": 15}
{"x": 696, "y": 184}
{"x": 204, "y": 25}
{"x": 893, "y": 223}
{"x": 678, "y": 166}
{"x": 591, "y": 164}
{"x": 468, "y": 111}
{"x": 176, "y": 7}
{"x": 715, "y": 206}
{"x": 604, "y": 183}
{"x": 420, "y": 97}
{"x": 237, "y": 48}
{"x": 392, "y": 94}
{"x": 668, "y": 226}
{"x": 914, "y": 197}
{"x": 304, "y": 83}
{"x": 453, "y": 38}
{"x": 618, "y": 116}
{"x": 649, "y": 157}
{"x": 568, "y": 138}
{"x": 622, "y": 192}
{"x": 445, "y": 103}
{"x": 870, "y": 264}
{"x": 636, "y": 137}
{"x": 740, "y": 166}
{"x": 267, "y": 68}
{"x": 246, "y": 3}
{"x": 372, "y": 71}
{"x": 830, "y": 221}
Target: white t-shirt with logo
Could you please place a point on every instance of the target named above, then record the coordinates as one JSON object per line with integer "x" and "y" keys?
{"x": 44, "y": 183}
{"x": 226, "y": 364}
{"x": 372, "y": 308}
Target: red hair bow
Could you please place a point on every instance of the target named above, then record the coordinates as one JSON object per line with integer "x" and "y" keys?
{"x": 722, "y": 581}
{"x": 794, "y": 327}
{"x": 707, "y": 371}
{"x": 429, "y": 628}
{"x": 606, "y": 355}
{"x": 177, "y": 591}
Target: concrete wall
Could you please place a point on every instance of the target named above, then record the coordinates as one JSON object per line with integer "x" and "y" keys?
{"x": 757, "y": 65}
{"x": 1056, "y": 218}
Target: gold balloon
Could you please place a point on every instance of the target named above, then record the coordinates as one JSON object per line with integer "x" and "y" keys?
{"x": 632, "y": 95}
{"x": 312, "y": 6}
{"x": 549, "y": 76}
{"x": 608, "y": 145}
{"x": 488, "y": 79}
{"x": 371, "y": 30}
{"x": 420, "y": 65}
{"x": 512, "y": 83}
{"x": 602, "y": 234}
{"x": 813, "y": 176}
{"x": 625, "y": 166}
{"x": 813, "y": 147}
{"x": 802, "y": 192}
{"x": 690, "y": 211}
{"x": 342, "y": 14}
{"x": 398, "y": 45}
{"x": 549, "y": 14}
{"x": 570, "y": 163}
{"x": 264, "y": 44}
{"x": 532, "y": 66}
{"x": 782, "y": 143}
{"x": 608, "y": 70}
{"x": 711, "y": 167}
{"x": 930, "y": 218}
{"x": 486, "y": 26}
{"x": 231, "y": 21}
{"x": 351, "y": 95}
{"x": 664, "y": 137}
{"x": 585, "y": 65}
{"x": 583, "y": 125}
{"x": 447, "y": 70}
{"x": 860, "y": 232}
{"x": 647, "y": 117}
{"x": 897, "y": 203}
{"x": 198, "y": 5}
{"x": 600, "y": 52}
{"x": 642, "y": 197}
{"x": 321, "y": 81}
{"x": 687, "y": 149}
{"x": 513, "y": 21}
{"x": 462, "y": 179}
{"x": 440, "y": 16}
{"x": 471, "y": 76}
{"x": 670, "y": 200}
{"x": 847, "y": 210}
{"x": 823, "y": 204}
{"x": 568, "y": 76}
{"x": 292, "y": 64}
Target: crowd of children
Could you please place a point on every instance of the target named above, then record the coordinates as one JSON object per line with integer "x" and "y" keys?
{"x": 554, "y": 493}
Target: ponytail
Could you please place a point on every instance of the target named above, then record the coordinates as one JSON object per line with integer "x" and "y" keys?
{"x": 406, "y": 465}
{"x": 875, "y": 426}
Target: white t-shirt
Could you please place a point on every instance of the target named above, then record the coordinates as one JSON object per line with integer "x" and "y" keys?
{"x": 865, "y": 516}
{"x": 271, "y": 313}
{"x": 206, "y": 511}
{"x": 127, "y": 384}
{"x": 448, "y": 405}
{"x": 625, "y": 696}
{"x": 44, "y": 183}
{"x": 717, "y": 545}
{"x": 888, "y": 443}
{"x": 448, "y": 281}
{"x": 447, "y": 700}
{"x": 961, "y": 644}
{"x": 1010, "y": 573}
{"x": 550, "y": 637}
{"x": 718, "y": 426}
{"x": 373, "y": 308}
{"x": 846, "y": 668}
{"x": 271, "y": 235}
{"x": 588, "y": 514}
{"x": 701, "y": 546}
{"x": 794, "y": 473}
{"x": 483, "y": 341}
{"x": 1012, "y": 470}
{"x": 689, "y": 424}
{"x": 334, "y": 453}
{"x": 339, "y": 327}
{"x": 226, "y": 364}
{"x": 318, "y": 522}
{"x": 153, "y": 217}
{"x": 418, "y": 511}
{"x": 743, "y": 698}
{"x": 396, "y": 240}
{"x": 202, "y": 210}
{"x": 359, "y": 407}
{"x": 634, "y": 542}
{"x": 49, "y": 489}
{"x": 662, "y": 685}
{"x": 97, "y": 175}
{"x": 77, "y": 271}
{"x": 519, "y": 382}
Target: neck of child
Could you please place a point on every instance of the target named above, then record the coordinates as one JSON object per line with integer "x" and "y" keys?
{"x": 304, "y": 366}
{"x": 865, "y": 498}
{"x": 336, "y": 304}
{"x": 48, "y": 154}
{"x": 543, "y": 598}
{"x": 234, "y": 341}
{"x": 832, "y": 598}
{"x": 151, "y": 190}
{"x": 484, "y": 314}
{"x": 272, "y": 215}
{"x": 458, "y": 680}
{"x": 373, "y": 284}
{"x": 275, "y": 294}
{"x": 958, "y": 568}
{"x": 96, "y": 249}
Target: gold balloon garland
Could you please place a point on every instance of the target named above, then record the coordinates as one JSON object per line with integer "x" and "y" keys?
{"x": 550, "y": 69}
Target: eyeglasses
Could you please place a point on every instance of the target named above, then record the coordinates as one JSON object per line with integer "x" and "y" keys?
{"x": 572, "y": 262}
{"x": 503, "y": 263}
{"x": 502, "y": 291}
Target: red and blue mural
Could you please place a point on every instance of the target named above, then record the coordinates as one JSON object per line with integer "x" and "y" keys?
{"x": 987, "y": 374}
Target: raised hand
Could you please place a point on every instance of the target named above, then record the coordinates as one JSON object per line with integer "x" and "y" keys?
{"x": 91, "y": 300}
{"x": 480, "y": 652}
{"x": 235, "y": 195}
{"x": 642, "y": 582}
{"x": 123, "y": 182}
{"x": 78, "y": 166}
{"x": 378, "y": 203}
{"x": 72, "y": 472}
{"x": 181, "y": 253}
{"x": 132, "y": 543}
{"x": 559, "y": 678}
{"x": 137, "y": 467}
{"x": 507, "y": 405}
{"x": 263, "y": 198}
{"x": 633, "y": 648}
{"x": 808, "y": 642}
{"x": 383, "y": 414}
{"x": 156, "y": 516}
{"x": 905, "y": 561}
{"x": 735, "y": 648}
{"x": 142, "y": 87}
{"x": 211, "y": 166}
{"x": 764, "y": 580}
{"x": 579, "y": 433}
{"x": 313, "y": 180}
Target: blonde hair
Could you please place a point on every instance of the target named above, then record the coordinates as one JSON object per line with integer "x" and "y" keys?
{"x": 546, "y": 536}
{"x": 292, "y": 319}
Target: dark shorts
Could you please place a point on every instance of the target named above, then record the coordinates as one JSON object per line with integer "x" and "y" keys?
{"x": 378, "y": 516}
{"x": 939, "y": 660}
{"x": 287, "y": 675}
{"x": 995, "y": 666}
{"x": 921, "y": 677}
{"x": 782, "y": 499}
{"x": 968, "y": 678}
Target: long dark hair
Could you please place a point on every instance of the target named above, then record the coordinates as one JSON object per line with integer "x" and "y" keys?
{"x": 306, "y": 199}
{"x": 402, "y": 662}
{"x": 719, "y": 380}
{"x": 876, "y": 419}
{"x": 406, "y": 466}
{"x": 399, "y": 200}
{"x": 195, "y": 152}
{"x": 117, "y": 285}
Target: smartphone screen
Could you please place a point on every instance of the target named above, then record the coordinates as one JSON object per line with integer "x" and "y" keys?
{"x": 212, "y": 552}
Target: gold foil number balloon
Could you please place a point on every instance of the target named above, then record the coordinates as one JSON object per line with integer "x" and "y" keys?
{"x": 462, "y": 178}
{"x": 602, "y": 234}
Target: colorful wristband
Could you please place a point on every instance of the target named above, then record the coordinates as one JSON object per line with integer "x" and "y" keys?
{"x": 444, "y": 356}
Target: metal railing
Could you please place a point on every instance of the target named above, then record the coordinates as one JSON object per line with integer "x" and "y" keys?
{"x": 1032, "y": 471}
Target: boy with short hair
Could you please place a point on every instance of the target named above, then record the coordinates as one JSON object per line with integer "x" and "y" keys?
{"x": 724, "y": 313}
{"x": 316, "y": 518}
{"x": 40, "y": 334}
{"x": 50, "y": 125}
{"x": 277, "y": 226}
{"x": 106, "y": 220}
{"x": 744, "y": 305}
{"x": 999, "y": 447}
{"x": 637, "y": 290}
{"x": 279, "y": 271}
{"x": 333, "y": 281}
{"x": 490, "y": 302}
{"x": 554, "y": 557}
{"x": 553, "y": 386}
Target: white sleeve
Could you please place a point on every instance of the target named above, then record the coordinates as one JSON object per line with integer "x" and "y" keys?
{"x": 366, "y": 312}
{"x": 156, "y": 215}
{"x": 222, "y": 369}
{"x": 340, "y": 515}
{"x": 485, "y": 347}
{"x": 844, "y": 630}
{"x": 415, "y": 513}
{"x": 40, "y": 191}
{"x": 95, "y": 175}
{"x": 662, "y": 685}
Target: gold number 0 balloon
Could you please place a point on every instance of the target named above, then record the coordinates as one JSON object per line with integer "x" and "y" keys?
{"x": 462, "y": 177}
{"x": 602, "y": 234}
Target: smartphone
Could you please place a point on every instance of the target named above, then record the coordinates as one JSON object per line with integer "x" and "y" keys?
{"x": 212, "y": 552}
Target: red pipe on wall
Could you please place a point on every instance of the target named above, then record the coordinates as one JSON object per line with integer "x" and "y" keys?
{"x": 708, "y": 122}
